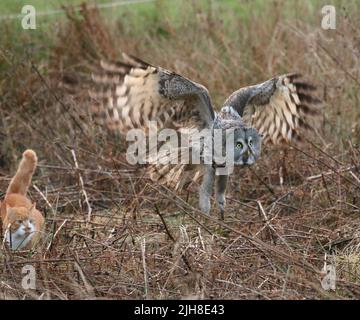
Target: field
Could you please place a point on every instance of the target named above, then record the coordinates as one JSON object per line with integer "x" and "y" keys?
{"x": 111, "y": 233}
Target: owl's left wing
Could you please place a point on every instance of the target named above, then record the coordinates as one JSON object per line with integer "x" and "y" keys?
{"x": 282, "y": 109}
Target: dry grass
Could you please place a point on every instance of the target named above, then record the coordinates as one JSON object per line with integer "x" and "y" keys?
{"x": 134, "y": 239}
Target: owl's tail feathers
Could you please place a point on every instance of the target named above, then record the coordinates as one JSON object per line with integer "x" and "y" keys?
{"x": 172, "y": 170}
{"x": 175, "y": 177}
{"x": 21, "y": 181}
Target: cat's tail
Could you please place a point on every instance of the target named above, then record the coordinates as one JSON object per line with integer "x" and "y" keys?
{"x": 21, "y": 181}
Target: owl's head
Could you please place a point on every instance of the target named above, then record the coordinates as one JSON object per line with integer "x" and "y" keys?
{"x": 247, "y": 140}
{"x": 247, "y": 146}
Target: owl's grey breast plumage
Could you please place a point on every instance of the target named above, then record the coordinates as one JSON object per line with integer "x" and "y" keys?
{"x": 129, "y": 94}
{"x": 228, "y": 118}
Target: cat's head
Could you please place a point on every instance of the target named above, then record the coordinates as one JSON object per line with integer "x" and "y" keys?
{"x": 21, "y": 219}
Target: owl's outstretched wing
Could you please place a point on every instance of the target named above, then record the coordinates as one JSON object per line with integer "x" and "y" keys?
{"x": 131, "y": 93}
{"x": 281, "y": 109}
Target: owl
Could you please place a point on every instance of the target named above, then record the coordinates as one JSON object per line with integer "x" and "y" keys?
{"x": 131, "y": 94}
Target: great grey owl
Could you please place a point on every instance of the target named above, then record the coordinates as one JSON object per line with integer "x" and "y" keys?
{"x": 130, "y": 94}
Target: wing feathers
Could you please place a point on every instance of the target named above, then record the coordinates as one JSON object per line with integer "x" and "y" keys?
{"x": 131, "y": 93}
{"x": 281, "y": 109}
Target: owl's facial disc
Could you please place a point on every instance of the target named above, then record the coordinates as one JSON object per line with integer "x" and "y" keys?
{"x": 247, "y": 146}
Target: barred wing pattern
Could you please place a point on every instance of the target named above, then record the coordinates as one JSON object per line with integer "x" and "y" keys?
{"x": 282, "y": 109}
{"x": 129, "y": 94}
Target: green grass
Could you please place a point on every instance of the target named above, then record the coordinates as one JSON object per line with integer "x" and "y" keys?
{"x": 146, "y": 13}
{"x": 152, "y": 16}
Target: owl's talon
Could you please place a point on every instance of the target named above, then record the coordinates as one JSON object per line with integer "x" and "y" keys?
{"x": 222, "y": 215}
{"x": 204, "y": 205}
{"x": 221, "y": 204}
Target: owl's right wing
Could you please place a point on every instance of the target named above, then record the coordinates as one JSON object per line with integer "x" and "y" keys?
{"x": 129, "y": 94}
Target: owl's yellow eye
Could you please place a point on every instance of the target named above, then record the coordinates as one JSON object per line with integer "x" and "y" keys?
{"x": 239, "y": 145}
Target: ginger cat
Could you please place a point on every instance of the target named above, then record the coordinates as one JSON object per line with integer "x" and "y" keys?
{"x": 22, "y": 222}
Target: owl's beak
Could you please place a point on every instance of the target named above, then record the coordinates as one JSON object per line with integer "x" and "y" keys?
{"x": 247, "y": 155}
